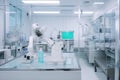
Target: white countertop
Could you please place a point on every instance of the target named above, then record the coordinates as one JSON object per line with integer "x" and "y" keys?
{"x": 70, "y": 62}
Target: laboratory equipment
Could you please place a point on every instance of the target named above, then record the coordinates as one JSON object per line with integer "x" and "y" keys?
{"x": 2, "y": 57}
{"x": 13, "y": 42}
{"x": 5, "y": 56}
{"x": 105, "y": 54}
{"x": 67, "y": 35}
{"x": 68, "y": 40}
{"x": 38, "y": 37}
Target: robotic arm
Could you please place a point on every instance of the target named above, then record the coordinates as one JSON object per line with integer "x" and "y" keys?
{"x": 55, "y": 46}
{"x": 36, "y": 37}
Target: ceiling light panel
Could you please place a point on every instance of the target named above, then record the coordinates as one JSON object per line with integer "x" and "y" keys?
{"x": 98, "y": 3}
{"x": 84, "y": 12}
{"x": 46, "y": 12}
{"x": 41, "y": 2}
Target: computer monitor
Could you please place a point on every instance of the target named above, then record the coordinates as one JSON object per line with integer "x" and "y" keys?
{"x": 67, "y": 35}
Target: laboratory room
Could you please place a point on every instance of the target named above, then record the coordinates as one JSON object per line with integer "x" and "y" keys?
{"x": 59, "y": 40}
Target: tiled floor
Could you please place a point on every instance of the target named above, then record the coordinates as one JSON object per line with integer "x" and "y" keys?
{"x": 87, "y": 71}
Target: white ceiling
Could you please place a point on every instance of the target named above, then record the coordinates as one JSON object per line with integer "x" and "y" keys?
{"x": 67, "y": 7}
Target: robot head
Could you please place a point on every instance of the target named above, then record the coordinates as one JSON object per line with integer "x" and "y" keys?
{"x": 38, "y": 30}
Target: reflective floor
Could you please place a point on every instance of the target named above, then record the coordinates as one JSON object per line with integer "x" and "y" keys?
{"x": 87, "y": 70}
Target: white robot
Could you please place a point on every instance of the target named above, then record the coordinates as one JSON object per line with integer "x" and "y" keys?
{"x": 56, "y": 46}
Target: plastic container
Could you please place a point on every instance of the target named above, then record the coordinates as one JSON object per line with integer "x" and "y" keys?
{"x": 40, "y": 56}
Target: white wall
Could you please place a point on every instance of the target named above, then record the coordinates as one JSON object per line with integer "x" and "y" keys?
{"x": 1, "y": 24}
{"x": 7, "y": 18}
{"x": 54, "y": 24}
{"x": 1, "y": 29}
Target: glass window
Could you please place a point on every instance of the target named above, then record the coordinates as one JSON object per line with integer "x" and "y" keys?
{"x": 14, "y": 18}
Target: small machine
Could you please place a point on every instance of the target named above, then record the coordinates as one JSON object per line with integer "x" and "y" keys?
{"x": 5, "y": 56}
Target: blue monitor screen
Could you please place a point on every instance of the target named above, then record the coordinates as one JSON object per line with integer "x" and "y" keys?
{"x": 67, "y": 35}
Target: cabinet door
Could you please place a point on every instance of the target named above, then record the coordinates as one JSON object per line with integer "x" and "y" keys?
{"x": 1, "y": 29}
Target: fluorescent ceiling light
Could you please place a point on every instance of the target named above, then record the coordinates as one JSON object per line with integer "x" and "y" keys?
{"x": 84, "y": 12}
{"x": 10, "y": 12}
{"x": 46, "y": 12}
{"x": 98, "y": 3}
{"x": 41, "y": 2}
{"x": 76, "y": 12}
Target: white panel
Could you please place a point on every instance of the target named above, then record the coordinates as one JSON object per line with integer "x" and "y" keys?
{"x": 1, "y": 29}
{"x": 1, "y": 4}
{"x": 40, "y": 75}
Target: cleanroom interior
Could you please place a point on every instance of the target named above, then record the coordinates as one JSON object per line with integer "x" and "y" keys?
{"x": 59, "y": 39}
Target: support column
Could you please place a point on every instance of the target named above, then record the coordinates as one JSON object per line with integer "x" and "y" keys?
{"x": 117, "y": 48}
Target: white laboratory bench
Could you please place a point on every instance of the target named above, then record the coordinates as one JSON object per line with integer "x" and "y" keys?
{"x": 17, "y": 70}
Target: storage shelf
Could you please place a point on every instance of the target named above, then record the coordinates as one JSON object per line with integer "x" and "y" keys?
{"x": 101, "y": 63}
{"x": 107, "y": 66}
{"x": 111, "y": 55}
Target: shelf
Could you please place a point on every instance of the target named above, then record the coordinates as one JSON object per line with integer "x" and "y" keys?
{"x": 105, "y": 44}
{"x": 110, "y": 55}
{"x": 101, "y": 63}
{"x": 104, "y": 62}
